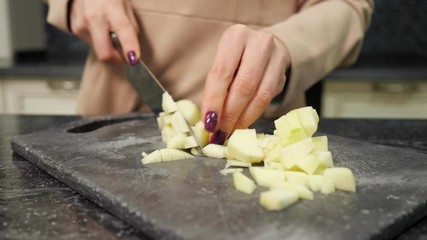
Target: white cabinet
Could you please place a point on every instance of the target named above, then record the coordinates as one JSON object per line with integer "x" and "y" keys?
{"x": 22, "y": 28}
{"x": 39, "y": 96}
{"x": 374, "y": 99}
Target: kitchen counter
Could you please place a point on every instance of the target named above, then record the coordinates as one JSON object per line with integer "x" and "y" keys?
{"x": 46, "y": 64}
{"x": 34, "y": 205}
{"x": 71, "y": 64}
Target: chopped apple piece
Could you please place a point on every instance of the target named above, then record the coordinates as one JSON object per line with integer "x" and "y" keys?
{"x": 168, "y": 104}
{"x": 327, "y": 186}
{"x": 320, "y": 170}
{"x": 315, "y": 182}
{"x": 324, "y": 158}
{"x": 297, "y": 177}
{"x": 167, "y": 133}
{"x": 308, "y": 119}
{"x": 190, "y": 111}
{"x": 189, "y": 142}
{"x": 154, "y": 157}
{"x": 342, "y": 178}
{"x": 176, "y": 141}
{"x": 273, "y": 155}
{"x": 161, "y": 120}
{"x": 282, "y": 130}
{"x": 276, "y": 200}
{"x": 290, "y": 154}
{"x": 174, "y": 154}
{"x": 243, "y": 146}
{"x": 303, "y": 191}
{"x": 243, "y": 183}
{"x": 274, "y": 165}
{"x": 214, "y": 150}
{"x": 266, "y": 177}
{"x": 178, "y": 122}
{"x": 267, "y": 142}
{"x": 200, "y": 133}
{"x": 308, "y": 164}
{"x": 297, "y": 130}
{"x": 164, "y": 155}
{"x": 320, "y": 143}
{"x": 227, "y": 171}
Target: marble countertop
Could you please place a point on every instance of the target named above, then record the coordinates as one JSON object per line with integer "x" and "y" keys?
{"x": 34, "y": 205}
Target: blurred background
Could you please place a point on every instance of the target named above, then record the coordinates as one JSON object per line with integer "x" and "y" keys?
{"x": 40, "y": 66}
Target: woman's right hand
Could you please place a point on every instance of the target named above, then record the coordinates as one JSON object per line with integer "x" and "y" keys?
{"x": 94, "y": 20}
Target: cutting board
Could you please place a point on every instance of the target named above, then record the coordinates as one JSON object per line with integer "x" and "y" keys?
{"x": 189, "y": 199}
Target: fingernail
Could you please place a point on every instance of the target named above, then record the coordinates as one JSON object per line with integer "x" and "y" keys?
{"x": 133, "y": 60}
{"x": 218, "y": 137}
{"x": 211, "y": 120}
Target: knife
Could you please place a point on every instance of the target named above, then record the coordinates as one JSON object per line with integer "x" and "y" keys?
{"x": 149, "y": 87}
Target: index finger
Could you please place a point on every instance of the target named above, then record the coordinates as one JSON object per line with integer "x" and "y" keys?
{"x": 127, "y": 34}
{"x": 229, "y": 52}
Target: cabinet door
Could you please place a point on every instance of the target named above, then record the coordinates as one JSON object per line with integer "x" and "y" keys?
{"x": 369, "y": 99}
{"x": 39, "y": 96}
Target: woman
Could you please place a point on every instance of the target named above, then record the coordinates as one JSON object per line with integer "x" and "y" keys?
{"x": 231, "y": 56}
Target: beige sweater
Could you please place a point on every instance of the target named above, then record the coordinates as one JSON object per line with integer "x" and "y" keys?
{"x": 179, "y": 39}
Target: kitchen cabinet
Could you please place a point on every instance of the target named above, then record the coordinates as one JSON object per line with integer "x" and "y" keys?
{"x": 39, "y": 96}
{"x": 394, "y": 99}
{"x": 18, "y": 33}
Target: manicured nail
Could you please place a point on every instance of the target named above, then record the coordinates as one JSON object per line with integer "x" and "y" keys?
{"x": 133, "y": 60}
{"x": 211, "y": 120}
{"x": 218, "y": 137}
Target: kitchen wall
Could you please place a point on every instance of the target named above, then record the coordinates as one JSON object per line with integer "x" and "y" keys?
{"x": 399, "y": 28}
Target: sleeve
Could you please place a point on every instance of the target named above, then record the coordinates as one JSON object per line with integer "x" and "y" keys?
{"x": 58, "y": 13}
{"x": 322, "y": 35}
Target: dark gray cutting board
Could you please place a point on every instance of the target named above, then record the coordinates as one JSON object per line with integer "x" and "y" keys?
{"x": 189, "y": 199}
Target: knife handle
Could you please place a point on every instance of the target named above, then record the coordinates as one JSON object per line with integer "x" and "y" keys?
{"x": 115, "y": 40}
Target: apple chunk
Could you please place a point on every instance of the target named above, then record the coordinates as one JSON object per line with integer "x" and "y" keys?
{"x": 275, "y": 200}
{"x": 243, "y": 183}
{"x": 190, "y": 111}
{"x": 308, "y": 164}
{"x": 266, "y": 177}
{"x": 290, "y": 154}
{"x": 214, "y": 150}
{"x": 327, "y": 186}
{"x": 297, "y": 177}
{"x": 309, "y": 119}
{"x": 243, "y": 146}
{"x": 303, "y": 191}
{"x": 343, "y": 178}
{"x": 164, "y": 155}
{"x": 168, "y": 104}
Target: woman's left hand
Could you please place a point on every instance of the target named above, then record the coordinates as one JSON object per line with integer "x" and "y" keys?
{"x": 247, "y": 73}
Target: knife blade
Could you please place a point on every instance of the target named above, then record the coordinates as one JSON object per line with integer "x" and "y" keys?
{"x": 149, "y": 88}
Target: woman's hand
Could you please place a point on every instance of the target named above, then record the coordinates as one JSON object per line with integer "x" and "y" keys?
{"x": 93, "y": 20}
{"x": 247, "y": 73}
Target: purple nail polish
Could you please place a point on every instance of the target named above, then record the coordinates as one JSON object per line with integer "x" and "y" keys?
{"x": 218, "y": 137}
{"x": 133, "y": 60}
{"x": 211, "y": 120}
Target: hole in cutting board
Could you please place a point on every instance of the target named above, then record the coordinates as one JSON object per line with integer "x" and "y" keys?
{"x": 94, "y": 125}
